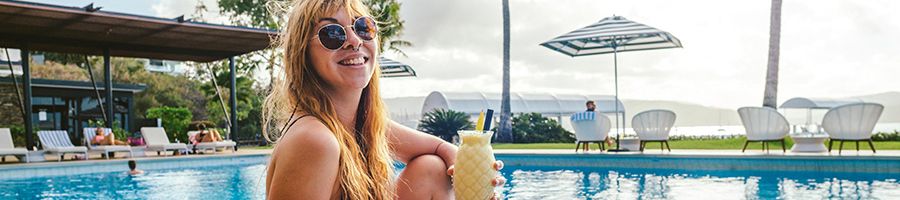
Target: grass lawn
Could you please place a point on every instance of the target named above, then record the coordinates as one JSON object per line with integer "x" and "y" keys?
{"x": 736, "y": 143}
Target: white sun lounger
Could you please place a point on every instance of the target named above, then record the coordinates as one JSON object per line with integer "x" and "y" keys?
{"x": 89, "y": 134}
{"x": 58, "y": 142}
{"x": 7, "y": 147}
{"x": 158, "y": 141}
{"x": 207, "y": 146}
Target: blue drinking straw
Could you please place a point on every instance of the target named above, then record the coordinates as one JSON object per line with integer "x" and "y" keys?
{"x": 488, "y": 119}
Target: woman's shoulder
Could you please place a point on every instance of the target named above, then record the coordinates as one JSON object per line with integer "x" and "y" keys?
{"x": 308, "y": 135}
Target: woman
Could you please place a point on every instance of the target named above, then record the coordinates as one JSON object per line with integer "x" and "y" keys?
{"x": 338, "y": 142}
{"x": 206, "y": 135}
{"x": 103, "y": 138}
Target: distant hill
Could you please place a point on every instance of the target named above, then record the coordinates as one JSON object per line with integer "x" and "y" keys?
{"x": 689, "y": 114}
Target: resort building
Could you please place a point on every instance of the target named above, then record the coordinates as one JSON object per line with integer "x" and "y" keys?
{"x": 88, "y": 30}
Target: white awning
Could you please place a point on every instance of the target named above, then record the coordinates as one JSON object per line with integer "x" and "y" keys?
{"x": 546, "y": 104}
{"x": 816, "y": 103}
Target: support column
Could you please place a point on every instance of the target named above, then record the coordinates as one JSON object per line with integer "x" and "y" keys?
{"x": 130, "y": 122}
{"x": 232, "y": 98}
{"x": 26, "y": 86}
{"x": 107, "y": 85}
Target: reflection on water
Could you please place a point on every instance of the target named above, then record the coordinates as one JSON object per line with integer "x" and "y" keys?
{"x": 593, "y": 183}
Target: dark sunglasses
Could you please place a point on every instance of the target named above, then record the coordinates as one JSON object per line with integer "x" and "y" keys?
{"x": 333, "y": 36}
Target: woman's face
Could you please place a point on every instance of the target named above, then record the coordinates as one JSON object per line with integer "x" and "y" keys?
{"x": 350, "y": 66}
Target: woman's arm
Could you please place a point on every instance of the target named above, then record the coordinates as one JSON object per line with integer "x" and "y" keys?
{"x": 304, "y": 164}
{"x": 409, "y": 143}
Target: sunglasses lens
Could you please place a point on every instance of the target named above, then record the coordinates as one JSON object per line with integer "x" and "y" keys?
{"x": 365, "y": 28}
{"x": 332, "y": 36}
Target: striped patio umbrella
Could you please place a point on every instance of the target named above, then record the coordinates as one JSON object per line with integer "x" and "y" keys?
{"x": 391, "y": 68}
{"x": 612, "y": 35}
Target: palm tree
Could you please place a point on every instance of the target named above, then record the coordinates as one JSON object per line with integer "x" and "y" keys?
{"x": 771, "y": 92}
{"x": 390, "y": 26}
{"x": 505, "y": 134}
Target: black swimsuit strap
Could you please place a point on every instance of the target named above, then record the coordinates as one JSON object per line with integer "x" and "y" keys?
{"x": 294, "y": 121}
{"x": 290, "y": 122}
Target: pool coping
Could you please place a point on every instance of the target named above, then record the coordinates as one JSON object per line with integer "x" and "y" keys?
{"x": 888, "y": 165}
{"x": 885, "y": 163}
{"x": 31, "y": 170}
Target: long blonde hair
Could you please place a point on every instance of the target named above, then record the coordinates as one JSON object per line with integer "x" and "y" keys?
{"x": 366, "y": 169}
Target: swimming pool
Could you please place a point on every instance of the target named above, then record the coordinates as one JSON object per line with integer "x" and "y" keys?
{"x": 530, "y": 177}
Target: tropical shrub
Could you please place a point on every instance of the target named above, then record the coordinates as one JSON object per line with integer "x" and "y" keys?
{"x": 534, "y": 128}
{"x": 444, "y": 123}
{"x": 18, "y": 135}
{"x": 886, "y": 136}
{"x": 174, "y": 120}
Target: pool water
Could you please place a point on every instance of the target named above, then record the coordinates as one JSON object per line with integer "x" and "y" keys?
{"x": 599, "y": 183}
{"x": 226, "y": 182}
{"x": 247, "y": 182}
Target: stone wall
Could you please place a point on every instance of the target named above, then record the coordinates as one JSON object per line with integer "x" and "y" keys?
{"x": 10, "y": 110}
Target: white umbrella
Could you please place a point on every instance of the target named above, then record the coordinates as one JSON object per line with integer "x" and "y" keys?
{"x": 391, "y": 68}
{"x": 612, "y": 35}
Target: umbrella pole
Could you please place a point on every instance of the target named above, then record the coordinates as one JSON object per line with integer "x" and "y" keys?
{"x": 616, "y": 103}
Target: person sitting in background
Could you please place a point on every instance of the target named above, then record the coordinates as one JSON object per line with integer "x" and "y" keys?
{"x": 132, "y": 165}
{"x": 206, "y": 135}
{"x": 591, "y": 107}
{"x": 103, "y": 139}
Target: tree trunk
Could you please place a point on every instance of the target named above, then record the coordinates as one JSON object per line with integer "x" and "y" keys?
{"x": 505, "y": 129}
{"x": 771, "y": 93}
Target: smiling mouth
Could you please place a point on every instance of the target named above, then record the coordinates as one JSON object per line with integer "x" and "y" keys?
{"x": 354, "y": 61}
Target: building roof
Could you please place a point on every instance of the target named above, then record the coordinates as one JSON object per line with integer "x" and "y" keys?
{"x": 46, "y": 27}
{"x": 79, "y": 85}
{"x": 816, "y": 103}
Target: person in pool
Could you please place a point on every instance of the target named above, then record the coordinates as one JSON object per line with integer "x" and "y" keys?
{"x": 334, "y": 139}
{"x": 132, "y": 166}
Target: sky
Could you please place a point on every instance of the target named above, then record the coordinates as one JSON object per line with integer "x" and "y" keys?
{"x": 829, "y": 48}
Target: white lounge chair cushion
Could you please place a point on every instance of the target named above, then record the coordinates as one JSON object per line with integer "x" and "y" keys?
{"x": 219, "y": 144}
{"x": 14, "y": 151}
{"x": 205, "y": 145}
{"x": 66, "y": 149}
{"x": 6, "y": 139}
{"x": 54, "y": 138}
{"x": 170, "y": 146}
{"x": 155, "y": 135}
{"x": 111, "y": 148}
{"x": 225, "y": 143}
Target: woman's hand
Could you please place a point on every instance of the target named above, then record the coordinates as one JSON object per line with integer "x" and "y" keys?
{"x": 497, "y": 181}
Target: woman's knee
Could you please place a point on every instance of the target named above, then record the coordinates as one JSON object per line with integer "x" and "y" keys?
{"x": 428, "y": 164}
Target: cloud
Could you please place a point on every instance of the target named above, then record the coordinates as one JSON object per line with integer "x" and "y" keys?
{"x": 828, "y": 49}
{"x": 175, "y": 8}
